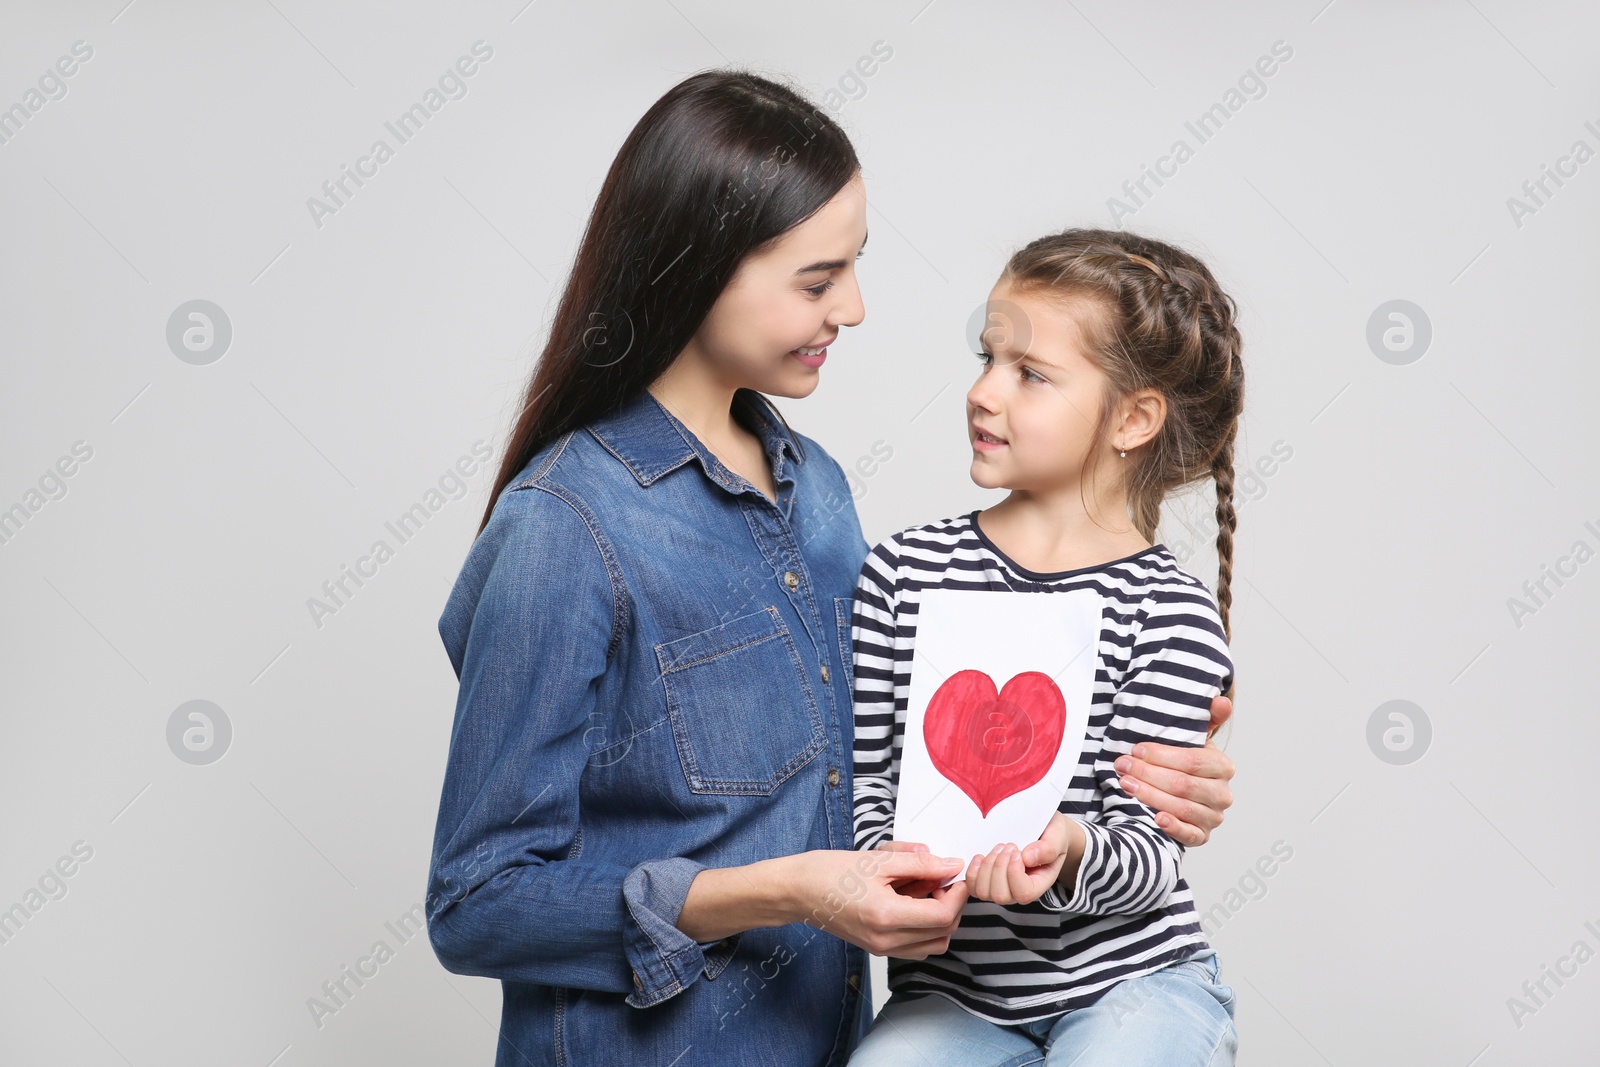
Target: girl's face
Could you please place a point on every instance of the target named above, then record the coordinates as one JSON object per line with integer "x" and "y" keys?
{"x": 1037, "y": 393}
{"x": 770, "y": 328}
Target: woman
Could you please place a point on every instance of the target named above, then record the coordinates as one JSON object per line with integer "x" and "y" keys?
{"x": 645, "y": 824}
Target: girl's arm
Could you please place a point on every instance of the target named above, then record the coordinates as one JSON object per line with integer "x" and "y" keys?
{"x": 877, "y": 729}
{"x": 1124, "y": 863}
{"x": 1188, "y": 787}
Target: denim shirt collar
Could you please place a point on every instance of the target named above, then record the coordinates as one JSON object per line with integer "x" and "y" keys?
{"x": 650, "y": 441}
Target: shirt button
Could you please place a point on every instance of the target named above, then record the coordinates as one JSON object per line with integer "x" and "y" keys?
{"x": 824, "y": 672}
{"x": 791, "y": 579}
{"x": 833, "y": 776}
{"x": 636, "y": 983}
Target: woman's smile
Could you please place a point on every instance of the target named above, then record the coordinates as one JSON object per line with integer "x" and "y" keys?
{"x": 811, "y": 357}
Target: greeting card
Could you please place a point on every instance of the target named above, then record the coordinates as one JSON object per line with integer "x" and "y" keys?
{"x": 996, "y": 715}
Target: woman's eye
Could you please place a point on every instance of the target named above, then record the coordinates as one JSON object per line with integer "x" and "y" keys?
{"x": 818, "y": 290}
{"x": 1035, "y": 377}
{"x": 983, "y": 357}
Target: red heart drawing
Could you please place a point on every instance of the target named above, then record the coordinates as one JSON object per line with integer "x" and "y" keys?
{"x": 994, "y": 745}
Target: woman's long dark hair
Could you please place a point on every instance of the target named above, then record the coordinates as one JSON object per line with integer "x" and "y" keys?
{"x": 718, "y": 168}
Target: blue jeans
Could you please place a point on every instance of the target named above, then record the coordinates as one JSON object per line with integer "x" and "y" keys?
{"x": 1178, "y": 1016}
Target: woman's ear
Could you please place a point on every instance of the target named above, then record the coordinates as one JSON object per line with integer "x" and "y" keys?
{"x": 1143, "y": 413}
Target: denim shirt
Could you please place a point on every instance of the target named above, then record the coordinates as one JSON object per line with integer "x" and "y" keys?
{"x": 655, "y": 678}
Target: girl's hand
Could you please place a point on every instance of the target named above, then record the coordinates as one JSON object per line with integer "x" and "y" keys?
{"x": 1012, "y": 875}
{"x": 1188, "y": 787}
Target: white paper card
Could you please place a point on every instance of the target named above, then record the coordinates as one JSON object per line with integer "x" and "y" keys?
{"x": 991, "y": 732}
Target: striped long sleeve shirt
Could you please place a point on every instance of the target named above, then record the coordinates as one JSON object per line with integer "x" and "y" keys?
{"x": 1162, "y": 656}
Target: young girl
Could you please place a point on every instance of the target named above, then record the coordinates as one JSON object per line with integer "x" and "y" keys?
{"x": 1117, "y": 381}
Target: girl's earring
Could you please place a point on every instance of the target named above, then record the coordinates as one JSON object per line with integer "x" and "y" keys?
{"x": 1123, "y": 453}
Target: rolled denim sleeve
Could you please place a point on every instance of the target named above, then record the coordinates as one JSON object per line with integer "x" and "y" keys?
{"x": 664, "y": 958}
{"x": 529, "y": 627}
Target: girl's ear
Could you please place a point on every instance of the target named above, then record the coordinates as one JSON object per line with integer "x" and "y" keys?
{"x": 1143, "y": 413}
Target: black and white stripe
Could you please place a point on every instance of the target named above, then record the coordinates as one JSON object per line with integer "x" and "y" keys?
{"x": 1162, "y": 657}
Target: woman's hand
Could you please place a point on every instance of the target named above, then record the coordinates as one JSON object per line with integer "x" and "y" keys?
{"x": 886, "y": 900}
{"x": 1012, "y": 875}
{"x": 914, "y": 887}
{"x": 1188, "y": 787}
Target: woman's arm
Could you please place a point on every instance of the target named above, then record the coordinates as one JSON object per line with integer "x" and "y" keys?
{"x": 510, "y": 894}
{"x": 881, "y": 898}
{"x": 852, "y": 895}
{"x": 1188, "y": 787}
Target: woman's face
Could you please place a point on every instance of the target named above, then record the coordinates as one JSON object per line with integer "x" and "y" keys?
{"x": 771, "y": 325}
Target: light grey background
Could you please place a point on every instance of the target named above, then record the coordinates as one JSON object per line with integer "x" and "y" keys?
{"x": 369, "y": 353}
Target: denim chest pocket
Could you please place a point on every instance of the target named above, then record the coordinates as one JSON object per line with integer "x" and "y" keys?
{"x": 743, "y": 716}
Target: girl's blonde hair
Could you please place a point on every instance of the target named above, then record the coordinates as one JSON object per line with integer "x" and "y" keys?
{"x": 1154, "y": 317}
